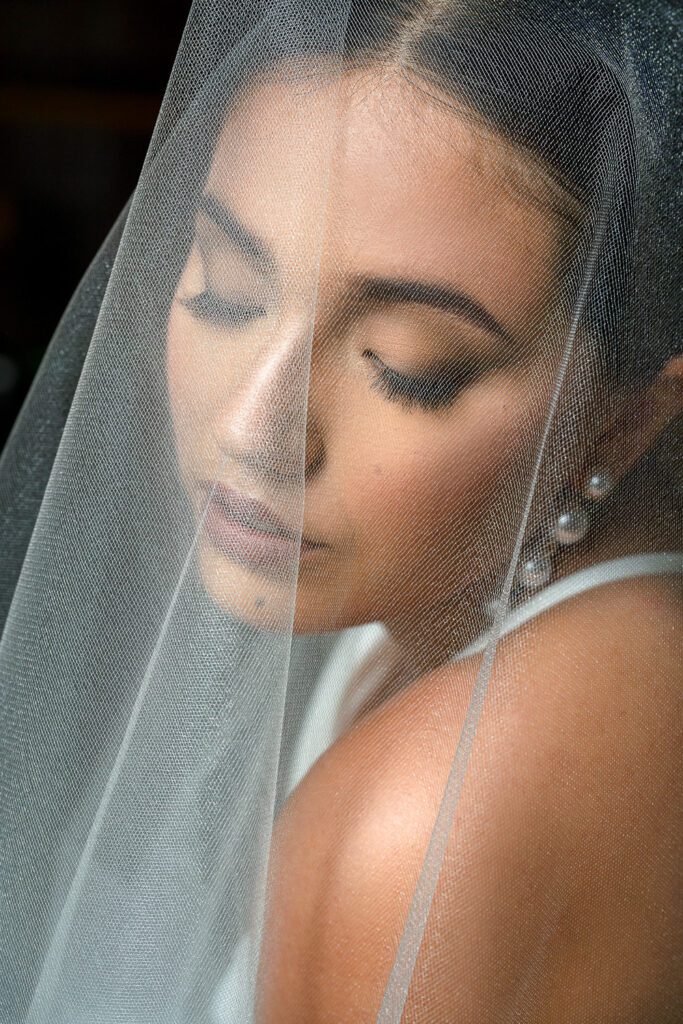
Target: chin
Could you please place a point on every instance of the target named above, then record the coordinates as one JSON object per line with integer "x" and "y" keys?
{"x": 303, "y": 606}
{"x": 260, "y": 602}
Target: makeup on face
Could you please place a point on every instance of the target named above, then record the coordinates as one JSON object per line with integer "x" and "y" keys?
{"x": 395, "y": 348}
{"x": 250, "y": 532}
{"x": 433, "y": 387}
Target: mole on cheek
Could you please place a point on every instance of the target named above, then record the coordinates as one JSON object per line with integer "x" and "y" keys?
{"x": 259, "y": 602}
{"x": 378, "y": 469}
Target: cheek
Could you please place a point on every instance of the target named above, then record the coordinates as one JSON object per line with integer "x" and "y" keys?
{"x": 179, "y": 368}
{"x": 185, "y": 375}
{"x": 175, "y": 364}
{"x": 188, "y": 380}
{"x": 452, "y": 484}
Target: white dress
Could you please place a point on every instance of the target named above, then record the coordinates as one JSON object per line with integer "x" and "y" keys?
{"x": 354, "y": 645}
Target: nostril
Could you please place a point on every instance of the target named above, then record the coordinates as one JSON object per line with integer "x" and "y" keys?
{"x": 314, "y": 465}
{"x": 315, "y": 452}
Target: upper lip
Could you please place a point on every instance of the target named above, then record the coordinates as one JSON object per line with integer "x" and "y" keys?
{"x": 250, "y": 512}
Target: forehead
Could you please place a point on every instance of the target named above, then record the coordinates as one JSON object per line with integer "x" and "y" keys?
{"x": 379, "y": 178}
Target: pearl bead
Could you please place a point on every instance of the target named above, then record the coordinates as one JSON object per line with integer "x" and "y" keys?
{"x": 571, "y": 526}
{"x": 535, "y": 570}
{"x": 599, "y": 484}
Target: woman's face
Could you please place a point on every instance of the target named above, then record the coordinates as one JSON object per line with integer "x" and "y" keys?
{"x": 360, "y": 313}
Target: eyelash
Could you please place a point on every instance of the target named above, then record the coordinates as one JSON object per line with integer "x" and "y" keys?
{"x": 436, "y": 390}
{"x": 211, "y": 308}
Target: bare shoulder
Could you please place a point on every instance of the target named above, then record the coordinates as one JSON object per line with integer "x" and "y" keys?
{"x": 570, "y": 792}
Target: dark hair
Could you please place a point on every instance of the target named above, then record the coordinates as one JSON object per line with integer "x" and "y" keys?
{"x": 560, "y": 80}
{"x": 582, "y": 87}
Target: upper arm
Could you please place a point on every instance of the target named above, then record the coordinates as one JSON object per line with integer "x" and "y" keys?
{"x": 346, "y": 855}
{"x": 346, "y": 858}
{"x": 559, "y": 883}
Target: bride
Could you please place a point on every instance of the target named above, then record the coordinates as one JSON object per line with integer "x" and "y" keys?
{"x": 342, "y": 542}
{"x": 445, "y": 288}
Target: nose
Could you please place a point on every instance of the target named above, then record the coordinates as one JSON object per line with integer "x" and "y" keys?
{"x": 267, "y": 427}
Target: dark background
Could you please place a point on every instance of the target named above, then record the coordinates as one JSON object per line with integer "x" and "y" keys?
{"x": 81, "y": 82}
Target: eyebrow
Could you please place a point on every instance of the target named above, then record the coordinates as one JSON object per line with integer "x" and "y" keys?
{"x": 395, "y": 291}
{"x": 245, "y": 241}
{"x": 383, "y": 291}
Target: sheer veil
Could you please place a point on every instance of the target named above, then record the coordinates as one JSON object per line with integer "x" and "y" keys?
{"x": 163, "y": 645}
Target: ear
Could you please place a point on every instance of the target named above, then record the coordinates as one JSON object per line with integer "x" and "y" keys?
{"x": 640, "y": 416}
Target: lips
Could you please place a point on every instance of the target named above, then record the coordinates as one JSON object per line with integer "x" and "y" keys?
{"x": 249, "y": 532}
{"x": 248, "y": 512}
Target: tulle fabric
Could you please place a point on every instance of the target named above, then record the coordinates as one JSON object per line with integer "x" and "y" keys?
{"x": 147, "y": 724}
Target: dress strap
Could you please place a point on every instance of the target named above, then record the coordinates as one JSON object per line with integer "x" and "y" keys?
{"x": 657, "y": 563}
{"x": 356, "y": 643}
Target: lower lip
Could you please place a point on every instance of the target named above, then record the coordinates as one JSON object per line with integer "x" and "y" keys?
{"x": 269, "y": 553}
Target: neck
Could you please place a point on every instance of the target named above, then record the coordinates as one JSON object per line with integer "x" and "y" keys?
{"x": 632, "y": 522}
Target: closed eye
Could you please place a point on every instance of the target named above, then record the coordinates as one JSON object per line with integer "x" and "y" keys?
{"x": 435, "y": 389}
{"x": 212, "y": 309}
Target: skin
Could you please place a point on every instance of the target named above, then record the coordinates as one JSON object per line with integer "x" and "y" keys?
{"x": 407, "y": 501}
{"x": 404, "y": 522}
{"x": 559, "y": 895}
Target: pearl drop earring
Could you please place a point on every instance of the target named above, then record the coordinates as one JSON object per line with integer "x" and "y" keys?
{"x": 535, "y": 568}
{"x": 571, "y": 525}
{"x": 598, "y": 484}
